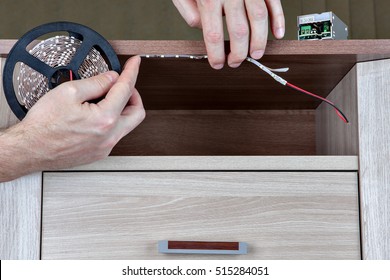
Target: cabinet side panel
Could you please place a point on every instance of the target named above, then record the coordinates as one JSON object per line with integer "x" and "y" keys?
{"x": 20, "y": 218}
{"x": 7, "y": 118}
{"x": 333, "y": 136}
{"x": 374, "y": 151}
{"x": 20, "y": 203}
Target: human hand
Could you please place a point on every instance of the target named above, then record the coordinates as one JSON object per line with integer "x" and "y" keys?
{"x": 244, "y": 18}
{"x": 63, "y": 129}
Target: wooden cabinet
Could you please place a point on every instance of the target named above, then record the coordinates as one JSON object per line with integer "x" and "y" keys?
{"x": 123, "y": 215}
{"x": 226, "y": 156}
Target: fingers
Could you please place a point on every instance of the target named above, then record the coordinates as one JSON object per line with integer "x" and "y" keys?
{"x": 118, "y": 96}
{"x": 238, "y": 28}
{"x": 212, "y": 24}
{"x": 258, "y": 17}
{"x": 132, "y": 115}
{"x": 90, "y": 89}
{"x": 277, "y": 18}
{"x": 189, "y": 11}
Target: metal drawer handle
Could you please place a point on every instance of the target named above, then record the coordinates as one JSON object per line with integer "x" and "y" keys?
{"x": 200, "y": 247}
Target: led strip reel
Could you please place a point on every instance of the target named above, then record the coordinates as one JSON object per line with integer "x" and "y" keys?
{"x": 30, "y": 72}
{"x": 82, "y": 54}
{"x": 55, "y": 52}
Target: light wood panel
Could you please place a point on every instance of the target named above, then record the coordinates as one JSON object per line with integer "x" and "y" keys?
{"x": 20, "y": 204}
{"x": 334, "y": 137}
{"x": 20, "y": 218}
{"x": 221, "y": 132}
{"x": 123, "y": 215}
{"x": 222, "y": 163}
{"x": 7, "y": 118}
{"x": 374, "y": 154}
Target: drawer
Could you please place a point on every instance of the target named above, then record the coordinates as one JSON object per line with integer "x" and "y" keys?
{"x": 123, "y": 215}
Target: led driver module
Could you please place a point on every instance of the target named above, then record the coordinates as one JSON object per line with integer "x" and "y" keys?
{"x": 32, "y": 69}
{"x": 325, "y": 26}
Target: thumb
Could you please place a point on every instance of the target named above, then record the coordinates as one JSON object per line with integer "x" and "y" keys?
{"x": 92, "y": 88}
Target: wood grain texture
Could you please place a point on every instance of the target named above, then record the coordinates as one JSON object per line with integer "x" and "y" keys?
{"x": 374, "y": 154}
{"x": 223, "y": 163}
{"x": 123, "y": 215}
{"x": 7, "y": 118}
{"x": 20, "y": 218}
{"x": 334, "y": 137}
{"x": 221, "y": 132}
{"x": 20, "y": 204}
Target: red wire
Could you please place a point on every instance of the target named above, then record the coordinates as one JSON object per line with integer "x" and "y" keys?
{"x": 338, "y": 111}
{"x": 70, "y": 75}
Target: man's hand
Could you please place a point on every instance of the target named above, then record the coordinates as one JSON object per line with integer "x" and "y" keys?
{"x": 63, "y": 129}
{"x": 247, "y": 23}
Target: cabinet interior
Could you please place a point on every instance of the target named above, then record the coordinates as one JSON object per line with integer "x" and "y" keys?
{"x": 195, "y": 110}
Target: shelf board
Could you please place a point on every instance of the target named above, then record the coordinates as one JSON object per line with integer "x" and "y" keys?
{"x": 223, "y": 163}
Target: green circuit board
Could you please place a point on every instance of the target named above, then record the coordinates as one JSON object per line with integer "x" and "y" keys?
{"x": 315, "y": 31}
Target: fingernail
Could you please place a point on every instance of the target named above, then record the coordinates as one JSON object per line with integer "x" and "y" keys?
{"x": 218, "y": 66}
{"x": 234, "y": 65}
{"x": 257, "y": 54}
{"x": 279, "y": 33}
{"x": 139, "y": 60}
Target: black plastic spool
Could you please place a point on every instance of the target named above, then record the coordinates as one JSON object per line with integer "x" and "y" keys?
{"x": 90, "y": 39}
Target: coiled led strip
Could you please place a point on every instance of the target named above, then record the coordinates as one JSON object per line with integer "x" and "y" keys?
{"x": 57, "y": 51}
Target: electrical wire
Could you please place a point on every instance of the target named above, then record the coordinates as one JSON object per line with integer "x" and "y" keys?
{"x": 282, "y": 81}
{"x": 338, "y": 111}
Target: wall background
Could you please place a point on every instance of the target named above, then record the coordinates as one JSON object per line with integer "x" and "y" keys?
{"x": 158, "y": 19}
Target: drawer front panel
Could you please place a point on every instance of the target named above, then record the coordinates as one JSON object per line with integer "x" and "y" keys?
{"x": 123, "y": 215}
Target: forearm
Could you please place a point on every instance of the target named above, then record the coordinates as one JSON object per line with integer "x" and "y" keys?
{"x": 16, "y": 159}
{"x": 63, "y": 129}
